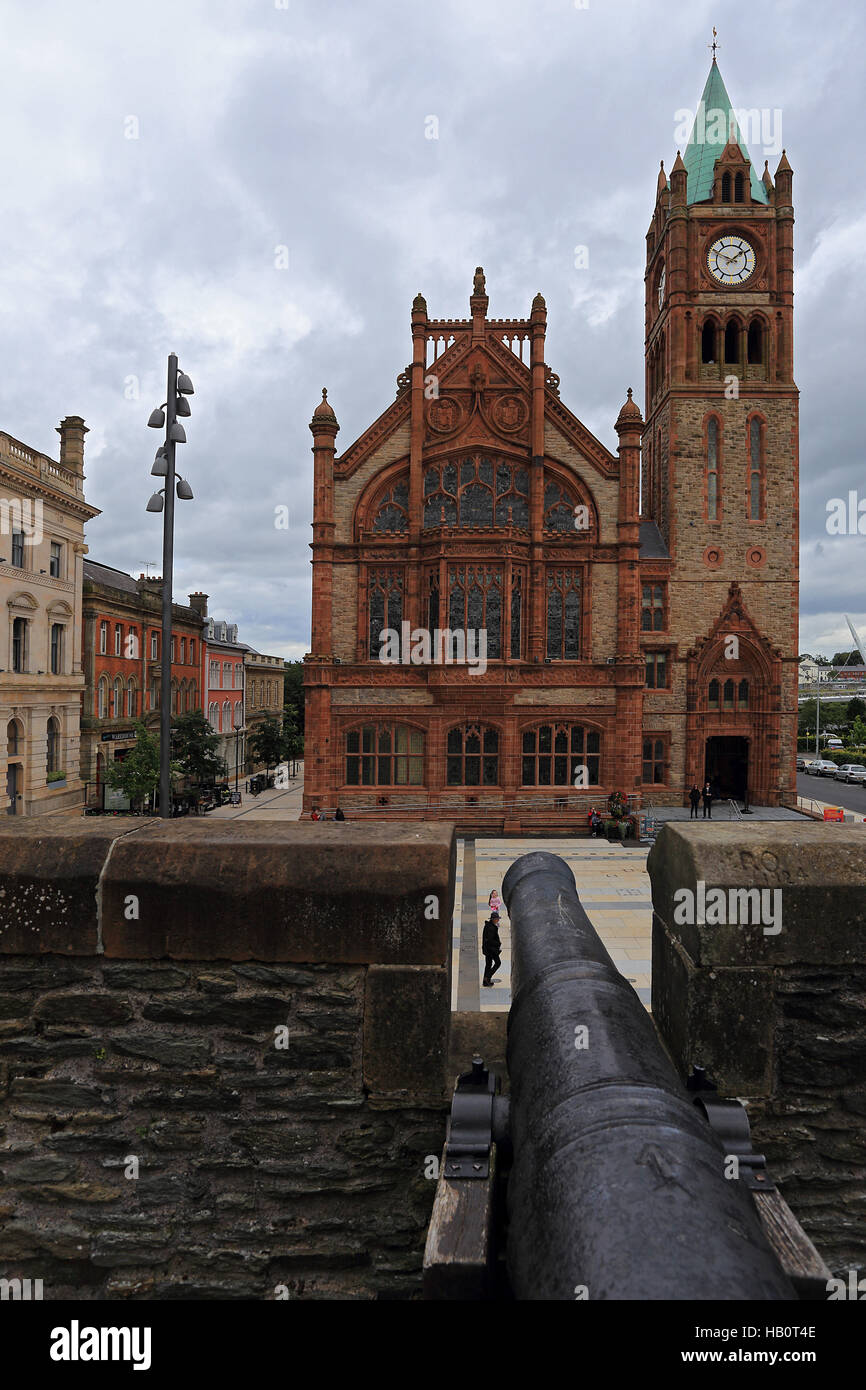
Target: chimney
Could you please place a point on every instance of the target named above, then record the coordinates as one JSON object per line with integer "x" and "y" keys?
{"x": 198, "y": 601}
{"x": 72, "y": 431}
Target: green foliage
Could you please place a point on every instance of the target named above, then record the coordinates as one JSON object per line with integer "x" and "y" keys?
{"x": 293, "y": 693}
{"x": 56, "y": 777}
{"x": 265, "y": 743}
{"x": 855, "y": 709}
{"x": 846, "y": 658}
{"x": 137, "y": 776}
{"x": 194, "y": 745}
{"x": 857, "y": 735}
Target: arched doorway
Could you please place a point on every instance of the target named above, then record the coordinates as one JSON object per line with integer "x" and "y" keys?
{"x": 726, "y": 766}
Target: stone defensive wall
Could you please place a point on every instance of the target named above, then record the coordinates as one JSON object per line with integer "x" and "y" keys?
{"x": 775, "y": 1011}
{"x": 223, "y": 1056}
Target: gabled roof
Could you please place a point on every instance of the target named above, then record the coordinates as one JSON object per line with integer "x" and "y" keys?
{"x": 710, "y": 134}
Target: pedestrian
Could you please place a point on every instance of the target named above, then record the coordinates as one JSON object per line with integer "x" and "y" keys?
{"x": 338, "y": 814}
{"x": 597, "y": 825}
{"x": 314, "y": 814}
{"x": 694, "y": 798}
{"x": 324, "y": 815}
{"x": 491, "y": 947}
{"x": 707, "y": 795}
{"x": 494, "y": 902}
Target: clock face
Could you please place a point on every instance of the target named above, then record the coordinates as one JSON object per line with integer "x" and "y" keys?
{"x": 731, "y": 259}
{"x": 662, "y": 286}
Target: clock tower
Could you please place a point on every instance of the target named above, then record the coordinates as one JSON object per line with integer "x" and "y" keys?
{"x": 720, "y": 466}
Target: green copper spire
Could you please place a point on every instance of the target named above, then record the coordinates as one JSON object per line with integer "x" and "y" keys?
{"x": 715, "y": 124}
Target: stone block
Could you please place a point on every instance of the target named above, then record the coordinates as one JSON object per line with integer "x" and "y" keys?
{"x": 303, "y": 892}
{"x": 407, "y": 1013}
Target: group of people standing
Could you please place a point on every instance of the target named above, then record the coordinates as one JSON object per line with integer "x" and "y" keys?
{"x": 697, "y": 795}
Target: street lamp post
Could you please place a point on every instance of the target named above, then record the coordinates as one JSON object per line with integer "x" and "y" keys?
{"x": 178, "y": 387}
{"x": 237, "y": 722}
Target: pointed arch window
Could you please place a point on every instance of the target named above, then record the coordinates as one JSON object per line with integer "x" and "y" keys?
{"x": 385, "y": 605}
{"x": 732, "y": 341}
{"x": 475, "y": 604}
{"x": 726, "y": 188}
{"x": 713, "y": 476}
{"x": 708, "y": 342}
{"x": 713, "y": 694}
{"x": 743, "y": 695}
{"x": 739, "y": 188}
{"x": 728, "y": 695}
{"x": 756, "y": 470}
{"x": 563, "y": 615}
{"x": 392, "y": 514}
{"x": 755, "y": 344}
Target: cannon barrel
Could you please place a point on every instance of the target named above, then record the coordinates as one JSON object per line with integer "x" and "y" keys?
{"x": 618, "y": 1187}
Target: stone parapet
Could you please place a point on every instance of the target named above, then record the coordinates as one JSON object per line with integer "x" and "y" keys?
{"x": 223, "y": 1056}
{"x": 774, "y": 1009}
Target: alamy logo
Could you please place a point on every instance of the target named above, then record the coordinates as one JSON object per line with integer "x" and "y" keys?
{"x": 21, "y": 518}
{"x": 729, "y": 907}
{"x": 76, "y": 1343}
{"x": 20, "y": 1290}
{"x": 441, "y": 647}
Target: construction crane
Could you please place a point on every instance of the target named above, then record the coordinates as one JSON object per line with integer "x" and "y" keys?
{"x": 858, "y": 641}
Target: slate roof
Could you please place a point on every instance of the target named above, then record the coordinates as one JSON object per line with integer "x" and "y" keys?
{"x": 652, "y": 547}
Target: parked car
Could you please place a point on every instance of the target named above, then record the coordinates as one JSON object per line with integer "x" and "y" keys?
{"x": 822, "y": 768}
{"x": 803, "y": 763}
{"x": 851, "y": 772}
{"x": 833, "y": 742}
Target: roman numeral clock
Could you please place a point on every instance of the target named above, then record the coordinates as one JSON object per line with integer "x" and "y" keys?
{"x": 731, "y": 259}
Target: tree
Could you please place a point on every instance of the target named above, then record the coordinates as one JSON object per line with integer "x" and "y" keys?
{"x": 137, "y": 775}
{"x": 293, "y": 739}
{"x": 293, "y": 693}
{"x": 857, "y": 736}
{"x": 846, "y": 658}
{"x": 266, "y": 742}
{"x": 855, "y": 709}
{"x": 195, "y": 745}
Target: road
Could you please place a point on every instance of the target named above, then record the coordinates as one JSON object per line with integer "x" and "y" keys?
{"x": 846, "y": 794}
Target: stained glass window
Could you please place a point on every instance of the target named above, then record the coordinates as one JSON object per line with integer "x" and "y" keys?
{"x": 386, "y": 604}
{"x": 384, "y": 755}
{"x": 563, "y": 615}
{"x": 472, "y": 756}
{"x": 475, "y": 604}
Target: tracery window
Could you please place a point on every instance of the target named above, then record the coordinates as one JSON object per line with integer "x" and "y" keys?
{"x": 384, "y": 755}
{"x": 516, "y": 613}
{"x": 554, "y": 755}
{"x": 385, "y": 604}
{"x": 475, "y": 603}
{"x": 563, "y": 614}
{"x": 472, "y": 756}
{"x": 476, "y": 492}
{"x": 392, "y": 515}
{"x": 559, "y": 513}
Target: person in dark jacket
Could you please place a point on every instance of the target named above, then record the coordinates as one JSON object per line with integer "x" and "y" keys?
{"x": 694, "y": 798}
{"x": 338, "y": 814}
{"x": 707, "y": 795}
{"x": 491, "y": 947}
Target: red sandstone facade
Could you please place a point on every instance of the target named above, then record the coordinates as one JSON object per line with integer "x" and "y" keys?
{"x": 640, "y": 609}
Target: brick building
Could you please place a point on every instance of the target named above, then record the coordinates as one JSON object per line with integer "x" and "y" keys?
{"x": 122, "y": 656}
{"x": 638, "y": 609}
{"x": 264, "y": 682}
{"x": 225, "y": 685}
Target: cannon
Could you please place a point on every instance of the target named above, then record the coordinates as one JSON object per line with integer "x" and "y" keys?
{"x": 622, "y": 1184}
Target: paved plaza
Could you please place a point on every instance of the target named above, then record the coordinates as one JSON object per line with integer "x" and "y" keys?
{"x": 614, "y": 889}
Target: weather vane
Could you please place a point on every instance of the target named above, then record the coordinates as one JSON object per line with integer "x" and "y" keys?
{"x": 713, "y": 45}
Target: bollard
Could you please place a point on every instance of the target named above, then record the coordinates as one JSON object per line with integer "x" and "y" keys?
{"x": 617, "y": 1189}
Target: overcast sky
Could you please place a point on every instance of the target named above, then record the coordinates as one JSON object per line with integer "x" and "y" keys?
{"x": 159, "y": 156}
